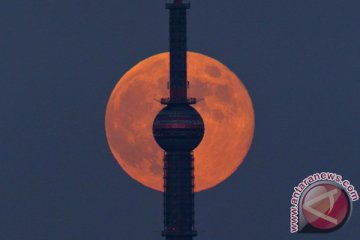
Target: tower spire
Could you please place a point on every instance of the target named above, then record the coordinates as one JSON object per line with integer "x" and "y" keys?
{"x": 178, "y": 48}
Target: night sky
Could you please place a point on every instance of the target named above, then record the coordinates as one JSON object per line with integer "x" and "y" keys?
{"x": 60, "y": 60}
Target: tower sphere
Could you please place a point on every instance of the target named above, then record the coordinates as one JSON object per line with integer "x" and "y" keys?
{"x": 178, "y": 127}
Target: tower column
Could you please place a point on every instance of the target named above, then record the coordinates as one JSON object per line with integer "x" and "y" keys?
{"x": 179, "y": 196}
{"x": 178, "y": 129}
{"x": 178, "y": 49}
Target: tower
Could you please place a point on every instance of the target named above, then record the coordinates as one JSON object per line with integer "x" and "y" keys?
{"x": 178, "y": 129}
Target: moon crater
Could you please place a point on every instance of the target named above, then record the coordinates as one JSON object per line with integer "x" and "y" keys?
{"x": 213, "y": 71}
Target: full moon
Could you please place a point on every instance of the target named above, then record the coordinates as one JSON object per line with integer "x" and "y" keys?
{"x": 225, "y": 106}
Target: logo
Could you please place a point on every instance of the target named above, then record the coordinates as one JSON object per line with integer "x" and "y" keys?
{"x": 321, "y": 203}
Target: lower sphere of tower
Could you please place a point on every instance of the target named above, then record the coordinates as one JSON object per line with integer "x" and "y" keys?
{"x": 178, "y": 128}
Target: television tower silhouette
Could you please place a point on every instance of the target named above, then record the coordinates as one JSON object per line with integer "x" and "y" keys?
{"x": 178, "y": 129}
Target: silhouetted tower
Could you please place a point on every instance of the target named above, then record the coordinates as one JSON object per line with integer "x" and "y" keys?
{"x": 178, "y": 129}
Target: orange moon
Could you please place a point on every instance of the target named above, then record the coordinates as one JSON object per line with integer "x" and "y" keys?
{"x": 226, "y": 109}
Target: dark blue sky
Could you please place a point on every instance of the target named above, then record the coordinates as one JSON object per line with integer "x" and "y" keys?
{"x": 59, "y": 61}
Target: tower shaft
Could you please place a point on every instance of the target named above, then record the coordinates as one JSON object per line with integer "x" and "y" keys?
{"x": 179, "y": 196}
{"x": 178, "y": 48}
{"x": 178, "y": 129}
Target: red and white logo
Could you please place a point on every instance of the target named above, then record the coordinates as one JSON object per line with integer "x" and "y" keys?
{"x": 321, "y": 203}
{"x": 325, "y": 206}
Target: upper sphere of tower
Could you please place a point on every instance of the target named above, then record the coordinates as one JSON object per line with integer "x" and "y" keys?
{"x": 178, "y": 128}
